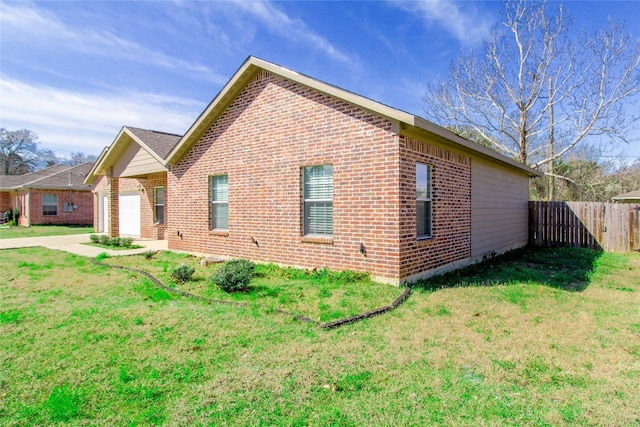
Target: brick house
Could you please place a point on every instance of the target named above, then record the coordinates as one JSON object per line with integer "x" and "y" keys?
{"x": 283, "y": 168}
{"x": 129, "y": 181}
{"x": 53, "y": 195}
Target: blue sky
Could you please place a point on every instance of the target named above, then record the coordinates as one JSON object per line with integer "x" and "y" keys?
{"x": 75, "y": 72}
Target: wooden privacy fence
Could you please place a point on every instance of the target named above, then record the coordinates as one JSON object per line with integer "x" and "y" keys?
{"x": 612, "y": 227}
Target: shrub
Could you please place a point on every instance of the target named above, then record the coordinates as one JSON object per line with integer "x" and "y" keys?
{"x": 94, "y": 238}
{"x": 149, "y": 254}
{"x": 101, "y": 256}
{"x": 104, "y": 239}
{"x": 183, "y": 273}
{"x": 126, "y": 242}
{"x": 234, "y": 275}
{"x": 114, "y": 241}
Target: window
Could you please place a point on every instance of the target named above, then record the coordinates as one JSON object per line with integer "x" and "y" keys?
{"x": 318, "y": 200}
{"x": 49, "y": 204}
{"x": 219, "y": 202}
{"x": 158, "y": 200}
{"x": 423, "y": 200}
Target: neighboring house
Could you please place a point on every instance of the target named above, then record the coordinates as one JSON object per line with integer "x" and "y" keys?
{"x": 53, "y": 195}
{"x": 630, "y": 197}
{"x": 284, "y": 168}
{"x": 136, "y": 158}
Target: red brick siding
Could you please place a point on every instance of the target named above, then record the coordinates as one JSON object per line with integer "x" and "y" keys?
{"x": 6, "y": 202}
{"x": 83, "y": 215}
{"x": 148, "y": 228}
{"x": 261, "y": 141}
{"x": 451, "y": 201}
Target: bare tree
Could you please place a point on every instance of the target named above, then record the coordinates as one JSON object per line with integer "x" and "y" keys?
{"x": 78, "y": 157}
{"x": 535, "y": 91}
{"x": 46, "y": 158}
{"x": 18, "y": 150}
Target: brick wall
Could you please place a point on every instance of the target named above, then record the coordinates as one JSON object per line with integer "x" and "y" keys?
{"x": 148, "y": 227}
{"x": 451, "y": 201}
{"x": 6, "y": 202}
{"x": 83, "y": 215}
{"x": 261, "y": 141}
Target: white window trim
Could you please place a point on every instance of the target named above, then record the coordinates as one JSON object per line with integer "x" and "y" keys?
{"x": 217, "y": 202}
{"x": 156, "y": 204}
{"x": 305, "y": 201}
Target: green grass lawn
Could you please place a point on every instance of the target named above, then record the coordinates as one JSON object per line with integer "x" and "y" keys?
{"x": 318, "y": 295}
{"x": 43, "y": 230}
{"x": 90, "y": 345}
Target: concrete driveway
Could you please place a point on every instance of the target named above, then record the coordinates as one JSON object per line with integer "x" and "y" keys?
{"x": 73, "y": 243}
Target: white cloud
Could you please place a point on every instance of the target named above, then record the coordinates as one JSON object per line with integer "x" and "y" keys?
{"x": 37, "y": 26}
{"x": 68, "y": 121}
{"x": 461, "y": 19}
{"x": 278, "y": 22}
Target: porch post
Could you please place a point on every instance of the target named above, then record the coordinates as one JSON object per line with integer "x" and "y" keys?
{"x": 114, "y": 211}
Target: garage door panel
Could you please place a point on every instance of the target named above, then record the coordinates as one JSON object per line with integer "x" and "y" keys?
{"x": 129, "y": 214}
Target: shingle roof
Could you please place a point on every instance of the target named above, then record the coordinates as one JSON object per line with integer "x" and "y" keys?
{"x": 630, "y": 195}
{"x": 160, "y": 142}
{"x": 157, "y": 144}
{"x": 54, "y": 177}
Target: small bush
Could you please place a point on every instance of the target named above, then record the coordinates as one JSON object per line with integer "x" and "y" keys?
{"x": 149, "y": 254}
{"x": 182, "y": 273}
{"x": 126, "y": 242}
{"x": 102, "y": 255}
{"x": 234, "y": 275}
{"x": 114, "y": 241}
{"x": 104, "y": 239}
{"x": 94, "y": 238}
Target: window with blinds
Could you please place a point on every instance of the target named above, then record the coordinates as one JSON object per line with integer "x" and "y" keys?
{"x": 317, "y": 200}
{"x": 219, "y": 202}
{"x": 159, "y": 204}
{"x": 49, "y": 204}
{"x": 423, "y": 201}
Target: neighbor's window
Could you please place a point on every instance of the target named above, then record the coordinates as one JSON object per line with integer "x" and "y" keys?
{"x": 219, "y": 202}
{"x": 158, "y": 196}
{"x": 423, "y": 200}
{"x": 49, "y": 204}
{"x": 318, "y": 200}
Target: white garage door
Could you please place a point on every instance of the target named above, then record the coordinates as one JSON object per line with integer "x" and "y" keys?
{"x": 129, "y": 214}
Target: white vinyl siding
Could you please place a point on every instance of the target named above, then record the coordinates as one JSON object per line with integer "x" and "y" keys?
{"x": 49, "y": 204}
{"x": 317, "y": 201}
{"x": 219, "y": 202}
{"x": 424, "y": 206}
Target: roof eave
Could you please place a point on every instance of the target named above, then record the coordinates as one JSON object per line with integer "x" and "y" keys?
{"x": 55, "y": 187}
{"x": 472, "y": 146}
{"x": 114, "y": 150}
